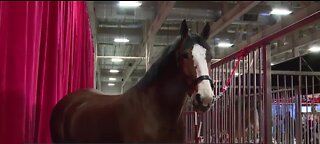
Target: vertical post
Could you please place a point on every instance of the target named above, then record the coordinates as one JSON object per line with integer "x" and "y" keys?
{"x": 122, "y": 89}
{"x": 99, "y": 80}
{"x": 298, "y": 108}
{"x": 146, "y": 56}
{"x": 243, "y": 103}
{"x": 216, "y": 74}
{"x": 254, "y": 94}
{"x": 196, "y": 126}
{"x": 267, "y": 94}
{"x": 239, "y": 102}
{"x": 93, "y": 26}
{"x": 295, "y": 50}
{"x": 233, "y": 105}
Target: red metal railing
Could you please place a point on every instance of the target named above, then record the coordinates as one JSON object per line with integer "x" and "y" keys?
{"x": 244, "y": 113}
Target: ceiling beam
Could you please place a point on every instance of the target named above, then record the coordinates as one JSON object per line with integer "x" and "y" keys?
{"x": 217, "y": 6}
{"x": 118, "y": 31}
{"x": 134, "y": 31}
{"x": 287, "y": 21}
{"x": 238, "y": 10}
{"x": 310, "y": 39}
{"x": 284, "y": 24}
{"x": 162, "y": 13}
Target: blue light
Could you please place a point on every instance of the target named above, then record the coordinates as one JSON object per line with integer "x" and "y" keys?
{"x": 264, "y": 14}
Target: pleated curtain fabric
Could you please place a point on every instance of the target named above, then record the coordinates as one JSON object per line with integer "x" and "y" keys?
{"x": 46, "y": 51}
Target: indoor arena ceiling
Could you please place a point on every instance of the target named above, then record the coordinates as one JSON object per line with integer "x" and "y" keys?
{"x": 154, "y": 24}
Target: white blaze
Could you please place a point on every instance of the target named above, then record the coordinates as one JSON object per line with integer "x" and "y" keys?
{"x": 204, "y": 87}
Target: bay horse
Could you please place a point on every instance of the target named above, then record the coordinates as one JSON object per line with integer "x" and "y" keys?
{"x": 150, "y": 111}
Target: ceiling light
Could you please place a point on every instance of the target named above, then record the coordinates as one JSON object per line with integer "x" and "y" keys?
{"x": 264, "y": 14}
{"x": 236, "y": 74}
{"x": 112, "y": 79}
{"x": 116, "y": 60}
{"x": 272, "y": 64}
{"x": 114, "y": 71}
{"x": 314, "y": 49}
{"x": 278, "y": 11}
{"x": 121, "y": 40}
{"x": 110, "y": 84}
{"x": 224, "y": 44}
{"x": 129, "y": 4}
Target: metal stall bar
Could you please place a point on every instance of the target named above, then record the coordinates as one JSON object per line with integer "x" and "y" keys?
{"x": 307, "y": 136}
{"x": 214, "y": 110}
{"x": 267, "y": 93}
{"x": 278, "y": 119}
{"x": 254, "y": 94}
{"x": 313, "y": 112}
{"x": 232, "y": 129}
{"x": 298, "y": 110}
{"x": 287, "y": 118}
{"x": 243, "y": 127}
{"x": 239, "y": 107}
{"x": 217, "y": 111}
{"x": 223, "y": 105}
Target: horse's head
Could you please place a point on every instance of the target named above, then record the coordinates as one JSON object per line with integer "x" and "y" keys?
{"x": 194, "y": 55}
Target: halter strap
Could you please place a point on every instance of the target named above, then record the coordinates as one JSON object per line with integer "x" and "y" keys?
{"x": 201, "y": 78}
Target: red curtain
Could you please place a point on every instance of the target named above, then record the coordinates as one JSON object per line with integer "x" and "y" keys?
{"x": 46, "y": 51}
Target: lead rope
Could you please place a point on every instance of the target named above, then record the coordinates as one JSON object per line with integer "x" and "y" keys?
{"x": 224, "y": 88}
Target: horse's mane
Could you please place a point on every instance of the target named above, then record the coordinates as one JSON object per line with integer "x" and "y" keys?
{"x": 156, "y": 68}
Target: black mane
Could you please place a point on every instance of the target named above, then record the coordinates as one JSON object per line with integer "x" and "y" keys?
{"x": 156, "y": 68}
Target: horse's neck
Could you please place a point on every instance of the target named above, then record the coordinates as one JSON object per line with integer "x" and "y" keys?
{"x": 172, "y": 94}
{"x": 165, "y": 96}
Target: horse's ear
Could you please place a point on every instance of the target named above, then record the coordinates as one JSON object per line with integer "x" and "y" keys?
{"x": 184, "y": 29}
{"x": 205, "y": 32}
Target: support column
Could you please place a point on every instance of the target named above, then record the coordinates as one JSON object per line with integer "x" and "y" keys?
{"x": 267, "y": 95}
{"x": 93, "y": 24}
{"x": 295, "y": 50}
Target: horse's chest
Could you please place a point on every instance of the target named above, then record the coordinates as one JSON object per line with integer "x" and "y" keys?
{"x": 143, "y": 129}
{"x": 151, "y": 129}
{"x": 162, "y": 131}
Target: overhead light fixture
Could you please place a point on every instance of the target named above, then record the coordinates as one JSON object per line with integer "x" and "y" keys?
{"x": 314, "y": 49}
{"x": 224, "y": 44}
{"x": 236, "y": 74}
{"x": 112, "y": 79}
{"x": 110, "y": 84}
{"x": 121, "y": 40}
{"x": 272, "y": 64}
{"x": 116, "y": 60}
{"x": 114, "y": 71}
{"x": 279, "y": 11}
{"x": 129, "y": 4}
{"x": 264, "y": 14}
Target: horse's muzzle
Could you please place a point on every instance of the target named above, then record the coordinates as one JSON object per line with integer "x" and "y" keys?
{"x": 198, "y": 105}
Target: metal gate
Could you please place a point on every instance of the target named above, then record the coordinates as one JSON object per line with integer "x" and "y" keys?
{"x": 239, "y": 116}
{"x": 244, "y": 114}
{"x": 294, "y": 115}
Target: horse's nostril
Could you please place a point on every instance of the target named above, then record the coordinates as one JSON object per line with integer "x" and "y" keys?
{"x": 198, "y": 98}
